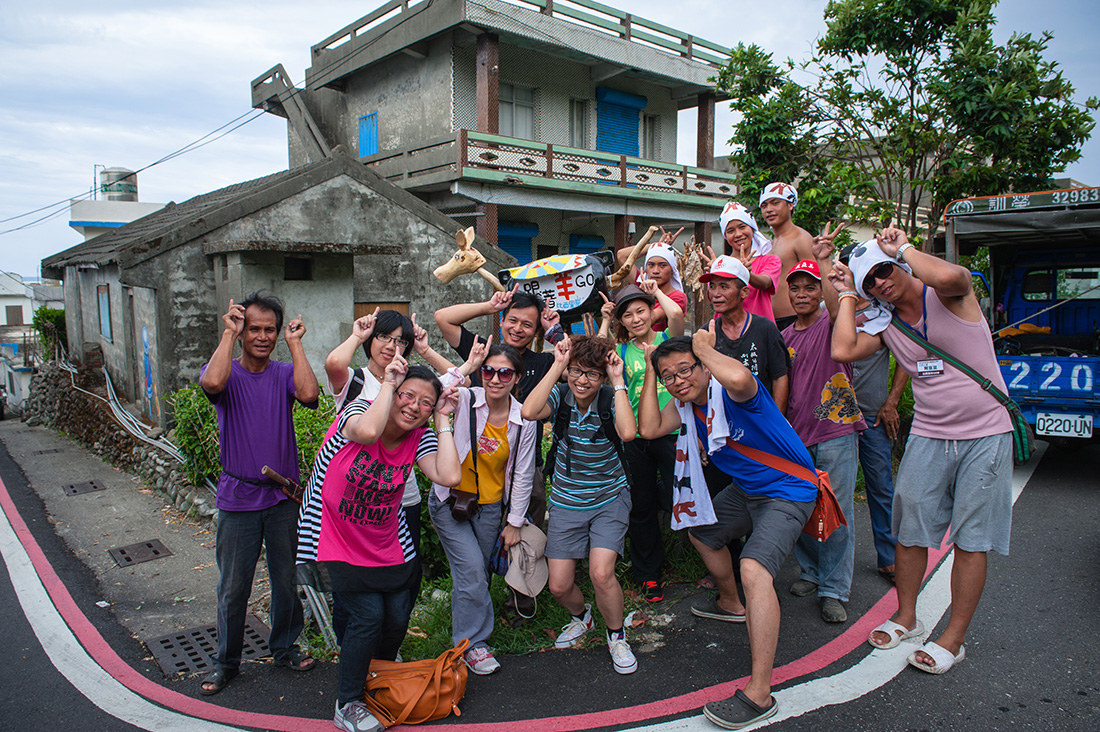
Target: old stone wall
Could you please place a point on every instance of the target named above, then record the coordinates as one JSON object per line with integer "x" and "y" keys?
{"x": 55, "y": 403}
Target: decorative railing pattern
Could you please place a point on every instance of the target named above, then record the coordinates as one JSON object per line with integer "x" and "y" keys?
{"x": 523, "y": 157}
{"x": 586, "y": 13}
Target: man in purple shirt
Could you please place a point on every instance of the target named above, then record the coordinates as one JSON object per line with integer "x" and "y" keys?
{"x": 253, "y": 397}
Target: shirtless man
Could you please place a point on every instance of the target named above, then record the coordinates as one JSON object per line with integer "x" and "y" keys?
{"x": 791, "y": 243}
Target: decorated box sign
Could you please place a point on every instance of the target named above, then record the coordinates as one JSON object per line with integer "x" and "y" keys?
{"x": 568, "y": 283}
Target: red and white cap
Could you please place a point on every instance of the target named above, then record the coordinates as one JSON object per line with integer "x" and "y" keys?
{"x": 806, "y": 266}
{"x": 727, "y": 268}
{"x": 784, "y": 191}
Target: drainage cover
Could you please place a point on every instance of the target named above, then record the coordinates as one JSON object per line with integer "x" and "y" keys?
{"x": 75, "y": 489}
{"x": 190, "y": 651}
{"x": 143, "y": 551}
{"x": 46, "y": 452}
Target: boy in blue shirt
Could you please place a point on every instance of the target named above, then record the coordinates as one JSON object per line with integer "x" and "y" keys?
{"x": 590, "y": 496}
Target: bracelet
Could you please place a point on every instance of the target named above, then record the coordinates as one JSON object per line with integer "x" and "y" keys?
{"x": 901, "y": 250}
{"x": 443, "y": 430}
{"x": 621, "y": 387}
{"x": 843, "y": 295}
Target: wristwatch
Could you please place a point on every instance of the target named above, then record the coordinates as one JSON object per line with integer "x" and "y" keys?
{"x": 901, "y": 250}
{"x": 621, "y": 387}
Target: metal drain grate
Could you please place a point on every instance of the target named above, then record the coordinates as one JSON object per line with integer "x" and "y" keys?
{"x": 75, "y": 489}
{"x": 46, "y": 452}
{"x": 143, "y": 551}
{"x": 190, "y": 651}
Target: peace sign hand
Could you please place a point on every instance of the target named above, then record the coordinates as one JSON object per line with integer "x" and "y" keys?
{"x": 823, "y": 243}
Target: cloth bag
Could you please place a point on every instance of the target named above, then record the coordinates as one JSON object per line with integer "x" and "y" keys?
{"x": 826, "y": 516}
{"x": 417, "y": 691}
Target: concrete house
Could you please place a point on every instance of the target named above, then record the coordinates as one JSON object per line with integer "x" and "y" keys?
{"x": 330, "y": 238}
{"x": 550, "y": 127}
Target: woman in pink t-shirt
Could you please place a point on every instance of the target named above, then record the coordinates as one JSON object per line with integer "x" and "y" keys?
{"x": 364, "y": 550}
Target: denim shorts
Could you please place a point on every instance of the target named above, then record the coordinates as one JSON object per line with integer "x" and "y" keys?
{"x": 571, "y": 532}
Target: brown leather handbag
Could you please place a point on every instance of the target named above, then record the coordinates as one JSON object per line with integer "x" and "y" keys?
{"x": 417, "y": 691}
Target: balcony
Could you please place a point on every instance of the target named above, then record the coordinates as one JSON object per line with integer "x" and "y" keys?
{"x": 506, "y": 162}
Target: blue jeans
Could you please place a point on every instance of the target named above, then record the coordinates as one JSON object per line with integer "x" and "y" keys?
{"x": 829, "y": 564}
{"x": 241, "y": 534}
{"x": 468, "y": 545}
{"x": 878, "y": 477}
{"x": 377, "y": 622}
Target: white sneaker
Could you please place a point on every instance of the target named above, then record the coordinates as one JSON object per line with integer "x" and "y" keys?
{"x": 621, "y": 655}
{"x": 355, "y": 717}
{"x": 575, "y": 629}
{"x": 480, "y": 660}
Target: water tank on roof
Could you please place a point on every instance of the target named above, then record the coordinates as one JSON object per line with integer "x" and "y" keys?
{"x": 118, "y": 184}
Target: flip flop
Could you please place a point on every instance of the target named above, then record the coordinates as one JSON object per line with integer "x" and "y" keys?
{"x": 897, "y": 634}
{"x": 886, "y": 574}
{"x": 943, "y": 658}
{"x": 293, "y": 661}
{"x": 219, "y": 677}
{"x": 738, "y": 711}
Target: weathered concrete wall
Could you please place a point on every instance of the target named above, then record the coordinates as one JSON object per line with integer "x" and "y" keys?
{"x": 412, "y": 97}
{"x": 183, "y": 313}
{"x": 74, "y": 311}
{"x": 149, "y": 392}
{"x": 557, "y": 81}
{"x": 116, "y": 349}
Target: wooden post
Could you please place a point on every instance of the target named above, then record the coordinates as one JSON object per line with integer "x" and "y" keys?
{"x": 488, "y": 84}
{"x": 704, "y": 146}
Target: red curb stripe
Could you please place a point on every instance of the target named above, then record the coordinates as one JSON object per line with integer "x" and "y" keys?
{"x": 854, "y": 637}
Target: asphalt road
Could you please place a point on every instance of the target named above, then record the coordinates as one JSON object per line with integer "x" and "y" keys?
{"x": 1030, "y": 664}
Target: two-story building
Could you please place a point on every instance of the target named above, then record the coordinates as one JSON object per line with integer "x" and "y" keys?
{"x": 549, "y": 126}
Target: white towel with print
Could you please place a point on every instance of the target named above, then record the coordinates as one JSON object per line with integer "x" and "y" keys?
{"x": 691, "y": 504}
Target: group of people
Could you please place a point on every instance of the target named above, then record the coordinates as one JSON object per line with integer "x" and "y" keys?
{"x": 723, "y": 430}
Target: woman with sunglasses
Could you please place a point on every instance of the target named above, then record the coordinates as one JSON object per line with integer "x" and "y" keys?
{"x": 500, "y": 476}
{"x": 364, "y": 552}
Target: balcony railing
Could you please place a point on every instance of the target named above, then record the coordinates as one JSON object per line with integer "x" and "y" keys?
{"x": 510, "y": 160}
{"x": 585, "y": 13}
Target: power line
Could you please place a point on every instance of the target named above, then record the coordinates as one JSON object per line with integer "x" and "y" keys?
{"x": 194, "y": 145}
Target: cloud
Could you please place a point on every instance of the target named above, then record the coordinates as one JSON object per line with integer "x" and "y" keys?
{"x": 128, "y": 82}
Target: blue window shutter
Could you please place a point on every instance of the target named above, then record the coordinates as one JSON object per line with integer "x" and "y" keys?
{"x": 515, "y": 238}
{"x": 584, "y": 244}
{"x": 617, "y": 115}
{"x": 368, "y": 134}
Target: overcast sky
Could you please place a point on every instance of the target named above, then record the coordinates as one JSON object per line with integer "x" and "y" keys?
{"x": 126, "y": 83}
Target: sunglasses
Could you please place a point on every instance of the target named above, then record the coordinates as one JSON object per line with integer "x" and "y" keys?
{"x": 504, "y": 374}
{"x": 881, "y": 271}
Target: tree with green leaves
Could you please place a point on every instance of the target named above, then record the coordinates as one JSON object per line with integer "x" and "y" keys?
{"x": 903, "y": 107}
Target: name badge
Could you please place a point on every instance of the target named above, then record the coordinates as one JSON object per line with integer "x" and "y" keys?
{"x": 929, "y": 368}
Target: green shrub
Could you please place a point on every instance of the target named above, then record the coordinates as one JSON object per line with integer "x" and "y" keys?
{"x": 50, "y": 324}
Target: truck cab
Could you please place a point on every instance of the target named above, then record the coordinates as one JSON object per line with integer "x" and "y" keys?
{"x": 1044, "y": 300}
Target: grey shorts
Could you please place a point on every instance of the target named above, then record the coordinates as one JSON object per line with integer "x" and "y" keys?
{"x": 571, "y": 532}
{"x": 964, "y": 484}
{"x": 775, "y": 524}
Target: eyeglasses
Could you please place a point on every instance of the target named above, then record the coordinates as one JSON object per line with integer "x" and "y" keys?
{"x": 400, "y": 343}
{"x": 504, "y": 374}
{"x": 407, "y": 397}
{"x": 880, "y": 272}
{"x": 683, "y": 373}
{"x": 577, "y": 373}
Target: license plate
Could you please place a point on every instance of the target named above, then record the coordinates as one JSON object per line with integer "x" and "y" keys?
{"x": 1063, "y": 425}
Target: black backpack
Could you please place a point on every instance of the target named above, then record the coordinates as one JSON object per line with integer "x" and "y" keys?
{"x": 355, "y": 388}
{"x": 604, "y": 399}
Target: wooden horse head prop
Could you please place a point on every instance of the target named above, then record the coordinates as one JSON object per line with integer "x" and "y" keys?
{"x": 466, "y": 260}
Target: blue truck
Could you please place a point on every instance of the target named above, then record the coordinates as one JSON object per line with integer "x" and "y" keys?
{"x": 1044, "y": 301}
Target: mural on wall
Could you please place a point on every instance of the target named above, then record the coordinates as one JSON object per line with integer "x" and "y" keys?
{"x": 150, "y": 387}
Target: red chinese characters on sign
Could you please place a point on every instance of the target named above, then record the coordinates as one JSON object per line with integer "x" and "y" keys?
{"x": 564, "y": 283}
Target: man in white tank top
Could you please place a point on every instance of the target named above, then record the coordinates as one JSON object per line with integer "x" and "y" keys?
{"x": 957, "y": 469}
